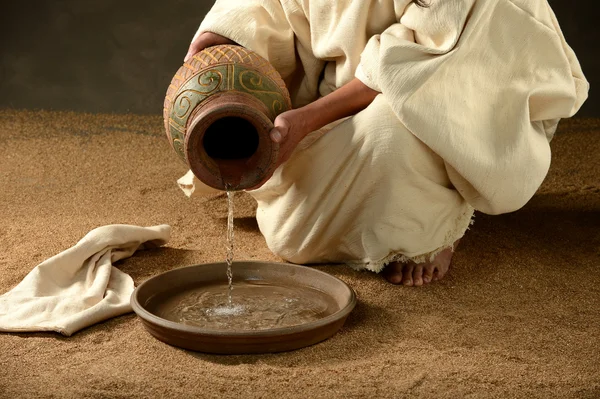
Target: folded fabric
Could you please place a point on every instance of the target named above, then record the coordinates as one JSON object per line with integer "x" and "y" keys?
{"x": 189, "y": 184}
{"x": 80, "y": 286}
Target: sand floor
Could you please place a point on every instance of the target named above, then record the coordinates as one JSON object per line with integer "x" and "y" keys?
{"x": 518, "y": 315}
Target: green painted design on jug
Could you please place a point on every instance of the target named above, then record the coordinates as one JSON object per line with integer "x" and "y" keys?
{"x": 217, "y": 79}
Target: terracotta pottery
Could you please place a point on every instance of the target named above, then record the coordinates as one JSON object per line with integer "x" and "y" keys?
{"x": 230, "y": 341}
{"x": 218, "y": 112}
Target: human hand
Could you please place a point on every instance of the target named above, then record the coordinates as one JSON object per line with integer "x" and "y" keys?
{"x": 289, "y": 128}
{"x": 292, "y": 126}
{"x": 204, "y": 40}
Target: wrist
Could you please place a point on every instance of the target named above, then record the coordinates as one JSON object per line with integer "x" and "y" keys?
{"x": 310, "y": 118}
{"x": 302, "y": 119}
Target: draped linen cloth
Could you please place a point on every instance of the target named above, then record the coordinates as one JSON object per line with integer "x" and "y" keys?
{"x": 79, "y": 286}
{"x": 471, "y": 94}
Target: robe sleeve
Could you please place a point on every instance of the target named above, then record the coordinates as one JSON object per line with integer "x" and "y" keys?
{"x": 259, "y": 25}
{"x": 368, "y": 71}
{"x": 483, "y": 84}
{"x": 368, "y": 68}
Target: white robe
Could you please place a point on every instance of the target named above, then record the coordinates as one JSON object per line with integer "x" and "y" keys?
{"x": 472, "y": 92}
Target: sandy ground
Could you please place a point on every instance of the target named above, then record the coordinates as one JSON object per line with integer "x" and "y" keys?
{"x": 518, "y": 316}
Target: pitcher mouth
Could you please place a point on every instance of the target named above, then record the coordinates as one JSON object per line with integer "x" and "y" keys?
{"x": 228, "y": 146}
{"x": 230, "y": 138}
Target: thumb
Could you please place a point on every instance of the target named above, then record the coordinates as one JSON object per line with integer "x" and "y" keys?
{"x": 197, "y": 45}
{"x": 281, "y": 129}
{"x": 191, "y": 51}
{"x": 204, "y": 40}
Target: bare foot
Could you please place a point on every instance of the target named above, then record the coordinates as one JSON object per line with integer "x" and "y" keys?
{"x": 418, "y": 274}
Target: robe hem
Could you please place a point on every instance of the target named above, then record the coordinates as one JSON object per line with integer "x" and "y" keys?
{"x": 462, "y": 224}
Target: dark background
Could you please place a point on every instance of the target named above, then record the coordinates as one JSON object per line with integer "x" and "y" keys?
{"x": 119, "y": 56}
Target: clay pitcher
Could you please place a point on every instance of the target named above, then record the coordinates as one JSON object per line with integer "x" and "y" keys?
{"x": 218, "y": 112}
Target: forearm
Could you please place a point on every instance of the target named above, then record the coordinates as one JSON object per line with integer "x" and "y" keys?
{"x": 346, "y": 101}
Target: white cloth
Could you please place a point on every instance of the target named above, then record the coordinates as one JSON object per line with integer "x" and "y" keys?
{"x": 481, "y": 84}
{"x": 79, "y": 287}
{"x": 484, "y": 87}
{"x": 190, "y": 184}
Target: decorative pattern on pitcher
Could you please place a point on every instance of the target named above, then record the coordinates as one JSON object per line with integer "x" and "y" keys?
{"x": 220, "y": 69}
{"x": 191, "y": 94}
{"x": 264, "y": 89}
{"x": 187, "y": 98}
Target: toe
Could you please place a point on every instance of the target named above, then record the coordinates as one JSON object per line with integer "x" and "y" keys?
{"x": 407, "y": 274}
{"x": 427, "y": 274}
{"x": 394, "y": 278}
{"x": 443, "y": 262}
{"x": 418, "y": 275}
{"x": 441, "y": 272}
{"x": 393, "y": 273}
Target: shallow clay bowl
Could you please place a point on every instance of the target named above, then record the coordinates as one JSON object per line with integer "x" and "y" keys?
{"x": 242, "y": 341}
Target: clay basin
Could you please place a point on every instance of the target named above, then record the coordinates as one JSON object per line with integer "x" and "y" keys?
{"x": 165, "y": 302}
